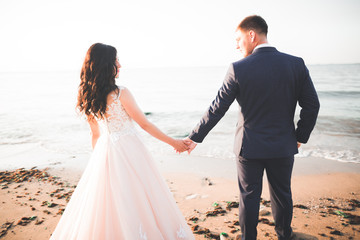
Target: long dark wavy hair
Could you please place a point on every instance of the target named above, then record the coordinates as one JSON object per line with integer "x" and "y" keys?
{"x": 97, "y": 80}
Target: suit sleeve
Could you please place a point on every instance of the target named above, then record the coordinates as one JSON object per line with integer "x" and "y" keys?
{"x": 309, "y": 103}
{"x": 225, "y": 97}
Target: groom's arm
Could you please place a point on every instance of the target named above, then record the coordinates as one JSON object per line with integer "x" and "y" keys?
{"x": 225, "y": 97}
{"x": 309, "y": 103}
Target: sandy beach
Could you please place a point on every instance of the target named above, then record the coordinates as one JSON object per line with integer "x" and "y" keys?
{"x": 326, "y": 198}
{"x": 36, "y": 134}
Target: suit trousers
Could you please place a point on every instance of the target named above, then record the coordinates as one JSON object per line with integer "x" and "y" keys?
{"x": 250, "y": 180}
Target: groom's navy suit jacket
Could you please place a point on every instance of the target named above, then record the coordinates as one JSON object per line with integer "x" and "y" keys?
{"x": 267, "y": 85}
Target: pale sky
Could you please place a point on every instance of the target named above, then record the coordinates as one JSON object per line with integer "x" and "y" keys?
{"x": 55, "y": 35}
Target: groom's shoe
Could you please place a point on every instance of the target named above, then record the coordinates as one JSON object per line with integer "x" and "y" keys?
{"x": 293, "y": 236}
{"x": 302, "y": 236}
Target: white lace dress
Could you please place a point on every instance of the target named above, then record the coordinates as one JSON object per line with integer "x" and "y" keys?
{"x": 121, "y": 194}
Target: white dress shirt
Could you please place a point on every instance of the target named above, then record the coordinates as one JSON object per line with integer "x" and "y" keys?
{"x": 263, "y": 45}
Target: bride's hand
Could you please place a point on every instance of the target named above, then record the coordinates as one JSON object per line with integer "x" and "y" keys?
{"x": 180, "y": 145}
{"x": 191, "y": 144}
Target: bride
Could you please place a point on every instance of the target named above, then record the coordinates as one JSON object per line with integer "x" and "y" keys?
{"x": 121, "y": 194}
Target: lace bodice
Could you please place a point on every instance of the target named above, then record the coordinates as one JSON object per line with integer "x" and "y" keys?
{"x": 118, "y": 122}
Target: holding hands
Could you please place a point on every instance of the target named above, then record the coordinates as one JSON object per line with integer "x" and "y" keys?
{"x": 184, "y": 145}
{"x": 180, "y": 145}
{"x": 190, "y": 143}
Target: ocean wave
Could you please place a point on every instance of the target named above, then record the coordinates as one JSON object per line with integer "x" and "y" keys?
{"x": 336, "y": 126}
{"x": 347, "y": 156}
{"x": 339, "y": 94}
{"x": 16, "y": 137}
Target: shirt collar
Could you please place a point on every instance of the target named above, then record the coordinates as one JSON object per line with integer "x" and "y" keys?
{"x": 262, "y": 45}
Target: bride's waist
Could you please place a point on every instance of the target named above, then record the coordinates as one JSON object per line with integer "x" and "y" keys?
{"x": 116, "y": 134}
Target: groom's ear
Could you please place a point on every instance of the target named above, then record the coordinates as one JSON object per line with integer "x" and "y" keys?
{"x": 252, "y": 35}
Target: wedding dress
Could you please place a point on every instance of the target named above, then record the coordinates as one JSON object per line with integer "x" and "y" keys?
{"x": 121, "y": 194}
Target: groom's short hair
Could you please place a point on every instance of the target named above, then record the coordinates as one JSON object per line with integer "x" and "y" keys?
{"x": 255, "y": 23}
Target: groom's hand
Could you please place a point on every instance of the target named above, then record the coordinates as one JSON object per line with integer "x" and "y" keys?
{"x": 180, "y": 146}
{"x": 191, "y": 144}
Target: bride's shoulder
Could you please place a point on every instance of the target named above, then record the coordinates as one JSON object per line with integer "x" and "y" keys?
{"x": 116, "y": 94}
{"x": 122, "y": 91}
{"x": 121, "y": 87}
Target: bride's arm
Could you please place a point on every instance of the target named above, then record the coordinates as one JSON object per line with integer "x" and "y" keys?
{"x": 129, "y": 103}
{"x": 95, "y": 131}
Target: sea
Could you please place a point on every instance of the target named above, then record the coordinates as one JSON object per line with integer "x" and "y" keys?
{"x": 40, "y": 125}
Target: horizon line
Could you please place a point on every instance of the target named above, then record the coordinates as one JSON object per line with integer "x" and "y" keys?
{"x": 154, "y": 67}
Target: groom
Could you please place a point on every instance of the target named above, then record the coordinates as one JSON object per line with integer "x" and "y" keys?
{"x": 267, "y": 85}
